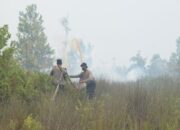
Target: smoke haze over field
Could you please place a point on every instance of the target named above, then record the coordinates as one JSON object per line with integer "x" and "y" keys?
{"x": 117, "y": 29}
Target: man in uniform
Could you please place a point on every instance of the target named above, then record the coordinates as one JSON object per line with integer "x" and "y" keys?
{"x": 87, "y": 78}
{"x": 59, "y": 74}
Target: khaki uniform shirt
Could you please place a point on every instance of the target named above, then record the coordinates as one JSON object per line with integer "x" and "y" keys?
{"x": 58, "y": 74}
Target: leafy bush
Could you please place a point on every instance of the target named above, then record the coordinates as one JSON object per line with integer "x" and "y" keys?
{"x": 31, "y": 124}
{"x": 14, "y": 79}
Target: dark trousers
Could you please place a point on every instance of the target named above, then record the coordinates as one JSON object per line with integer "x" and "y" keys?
{"x": 90, "y": 89}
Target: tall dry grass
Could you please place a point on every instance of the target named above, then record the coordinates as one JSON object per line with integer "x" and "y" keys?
{"x": 147, "y": 104}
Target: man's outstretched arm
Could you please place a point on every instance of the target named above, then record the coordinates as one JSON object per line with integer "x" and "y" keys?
{"x": 74, "y": 76}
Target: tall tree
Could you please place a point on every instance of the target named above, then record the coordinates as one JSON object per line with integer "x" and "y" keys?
{"x": 34, "y": 52}
{"x": 7, "y": 64}
{"x": 138, "y": 62}
{"x": 158, "y": 66}
{"x": 137, "y": 68}
{"x": 174, "y": 61}
{"x": 6, "y": 52}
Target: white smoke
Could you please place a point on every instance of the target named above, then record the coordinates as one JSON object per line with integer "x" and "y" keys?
{"x": 135, "y": 74}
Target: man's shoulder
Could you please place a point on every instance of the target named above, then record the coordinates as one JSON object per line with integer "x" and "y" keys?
{"x": 55, "y": 67}
{"x": 64, "y": 69}
{"x": 88, "y": 71}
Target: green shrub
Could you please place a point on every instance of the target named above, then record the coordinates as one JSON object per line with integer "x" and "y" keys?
{"x": 14, "y": 79}
{"x": 31, "y": 124}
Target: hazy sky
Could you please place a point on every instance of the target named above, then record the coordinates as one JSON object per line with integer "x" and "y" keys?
{"x": 117, "y": 28}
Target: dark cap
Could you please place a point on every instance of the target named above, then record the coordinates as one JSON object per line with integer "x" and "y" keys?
{"x": 84, "y": 65}
{"x": 59, "y": 61}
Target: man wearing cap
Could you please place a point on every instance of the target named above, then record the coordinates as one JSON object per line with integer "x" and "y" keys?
{"x": 87, "y": 78}
{"x": 59, "y": 74}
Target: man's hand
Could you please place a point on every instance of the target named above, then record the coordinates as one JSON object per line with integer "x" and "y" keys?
{"x": 82, "y": 81}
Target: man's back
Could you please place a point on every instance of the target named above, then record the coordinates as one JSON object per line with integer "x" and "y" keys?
{"x": 58, "y": 74}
